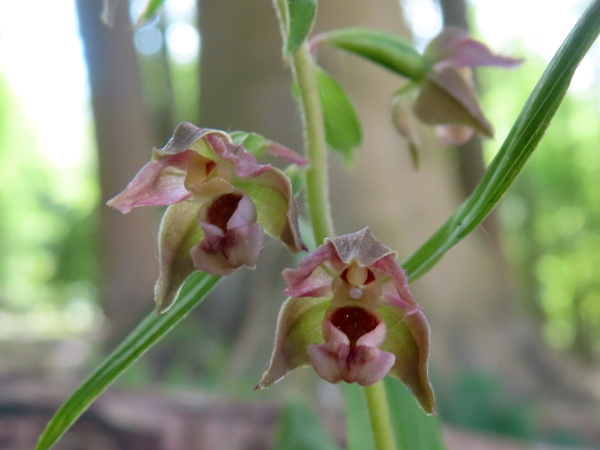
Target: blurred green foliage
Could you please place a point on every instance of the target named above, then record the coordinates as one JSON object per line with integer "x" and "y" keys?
{"x": 48, "y": 262}
{"x": 551, "y": 214}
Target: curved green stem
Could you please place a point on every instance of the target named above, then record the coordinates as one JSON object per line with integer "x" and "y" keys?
{"x": 379, "y": 413}
{"x": 317, "y": 177}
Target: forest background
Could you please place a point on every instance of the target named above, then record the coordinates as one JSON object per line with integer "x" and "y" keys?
{"x": 515, "y": 307}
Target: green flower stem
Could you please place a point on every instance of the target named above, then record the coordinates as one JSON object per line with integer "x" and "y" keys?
{"x": 319, "y": 208}
{"x": 317, "y": 187}
{"x": 379, "y": 413}
{"x": 317, "y": 177}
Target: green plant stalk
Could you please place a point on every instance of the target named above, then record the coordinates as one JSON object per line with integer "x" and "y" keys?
{"x": 379, "y": 413}
{"x": 317, "y": 188}
{"x": 317, "y": 194}
{"x": 317, "y": 176}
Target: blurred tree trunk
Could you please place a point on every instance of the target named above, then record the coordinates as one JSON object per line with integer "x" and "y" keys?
{"x": 128, "y": 249}
{"x": 244, "y": 84}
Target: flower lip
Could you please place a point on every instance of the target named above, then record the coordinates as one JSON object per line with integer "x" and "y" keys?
{"x": 222, "y": 209}
{"x": 354, "y": 322}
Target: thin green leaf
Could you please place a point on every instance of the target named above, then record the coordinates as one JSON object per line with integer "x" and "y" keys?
{"x": 299, "y": 428}
{"x": 358, "y": 424}
{"x": 413, "y": 428}
{"x": 302, "y": 15}
{"x": 518, "y": 146}
{"x": 151, "y": 10}
{"x": 342, "y": 128}
{"x": 388, "y": 50}
{"x": 147, "y": 333}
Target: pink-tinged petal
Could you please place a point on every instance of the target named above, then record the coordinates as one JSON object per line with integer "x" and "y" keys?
{"x": 361, "y": 247}
{"x": 363, "y": 363}
{"x": 213, "y": 144}
{"x": 298, "y": 326}
{"x": 408, "y": 338}
{"x": 309, "y": 279}
{"x": 227, "y": 211}
{"x": 179, "y": 232}
{"x": 454, "y": 134}
{"x": 271, "y": 192}
{"x": 232, "y": 236}
{"x": 159, "y": 182}
{"x": 447, "y": 98}
{"x": 243, "y": 162}
{"x": 283, "y": 152}
{"x": 397, "y": 293}
{"x": 470, "y": 53}
{"x": 188, "y": 136}
{"x": 244, "y": 214}
{"x": 454, "y": 46}
{"x": 223, "y": 255}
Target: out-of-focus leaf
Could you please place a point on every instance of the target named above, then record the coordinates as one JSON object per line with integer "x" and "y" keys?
{"x": 299, "y": 428}
{"x": 388, "y": 50}
{"x": 358, "y": 424}
{"x": 342, "y": 128}
{"x": 520, "y": 143}
{"x": 147, "y": 333}
{"x": 302, "y": 15}
{"x": 413, "y": 428}
{"x": 150, "y": 11}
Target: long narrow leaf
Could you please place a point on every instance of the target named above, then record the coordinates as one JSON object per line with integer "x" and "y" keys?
{"x": 147, "y": 333}
{"x": 300, "y": 428}
{"x": 358, "y": 425}
{"x": 518, "y": 146}
{"x": 413, "y": 428}
{"x": 386, "y": 49}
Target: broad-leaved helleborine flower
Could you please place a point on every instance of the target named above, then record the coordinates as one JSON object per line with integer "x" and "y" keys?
{"x": 221, "y": 202}
{"x": 351, "y": 317}
{"x": 446, "y": 97}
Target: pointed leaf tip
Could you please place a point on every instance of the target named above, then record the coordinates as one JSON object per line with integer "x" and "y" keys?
{"x": 385, "y": 49}
{"x": 302, "y": 15}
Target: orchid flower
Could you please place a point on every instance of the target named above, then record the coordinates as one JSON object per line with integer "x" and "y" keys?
{"x": 221, "y": 200}
{"x": 446, "y": 96}
{"x": 351, "y": 316}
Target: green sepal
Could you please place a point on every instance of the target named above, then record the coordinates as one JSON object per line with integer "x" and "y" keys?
{"x": 179, "y": 232}
{"x": 408, "y": 338}
{"x": 253, "y": 142}
{"x": 404, "y": 121}
{"x": 342, "y": 127}
{"x": 386, "y": 49}
{"x": 447, "y": 98}
{"x": 298, "y": 326}
{"x": 297, "y": 176}
{"x": 301, "y": 18}
{"x": 271, "y": 192}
